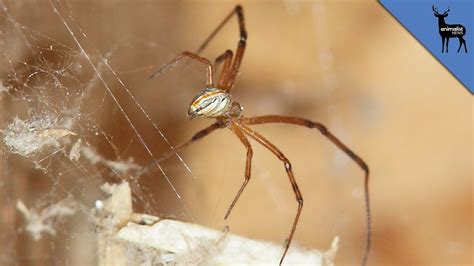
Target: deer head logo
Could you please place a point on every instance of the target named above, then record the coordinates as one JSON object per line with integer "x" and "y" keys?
{"x": 449, "y": 30}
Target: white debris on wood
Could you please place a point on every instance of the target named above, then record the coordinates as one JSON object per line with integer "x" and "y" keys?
{"x": 114, "y": 213}
{"x": 194, "y": 244}
{"x": 330, "y": 254}
{"x": 39, "y": 222}
{"x": 119, "y": 203}
{"x": 118, "y": 210}
{"x": 140, "y": 239}
{"x": 26, "y": 137}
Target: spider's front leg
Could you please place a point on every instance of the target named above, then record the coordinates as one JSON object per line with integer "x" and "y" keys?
{"x": 210, "y": 70}
{"x": 238, "y": 10}
{"x": 230, "y": 75}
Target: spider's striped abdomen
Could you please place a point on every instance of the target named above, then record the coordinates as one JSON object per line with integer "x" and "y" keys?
{"x": 211, "y": 102}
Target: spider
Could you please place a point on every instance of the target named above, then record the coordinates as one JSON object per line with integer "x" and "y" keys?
{"x": 216, "y": 102}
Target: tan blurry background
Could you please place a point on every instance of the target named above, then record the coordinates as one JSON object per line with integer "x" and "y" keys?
{"x": 347, "y": 64}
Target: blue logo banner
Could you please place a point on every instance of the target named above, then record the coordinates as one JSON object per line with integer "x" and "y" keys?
{"x": 445, "y": 28}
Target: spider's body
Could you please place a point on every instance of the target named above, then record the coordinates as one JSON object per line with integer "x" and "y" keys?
{"x": 212, "y": 102}
{"x": 216, "y": 102}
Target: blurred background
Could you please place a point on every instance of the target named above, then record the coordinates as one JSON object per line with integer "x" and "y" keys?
{"x": 346, "y": 64}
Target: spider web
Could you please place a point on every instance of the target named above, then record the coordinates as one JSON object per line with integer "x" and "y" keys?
{"x": 70, "y": 123}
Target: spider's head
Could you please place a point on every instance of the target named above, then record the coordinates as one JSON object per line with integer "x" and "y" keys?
{"x": 211, "y": 102}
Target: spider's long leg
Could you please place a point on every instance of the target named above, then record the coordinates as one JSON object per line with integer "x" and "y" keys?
{"x": 199, "y": 135}
{"x": 239, "y": 54}
{"x": 210, "y": 72}
{"x": 340, "y": 145}
{"x": 299, "y": 198}
{"x": 243, "y": 33}
{"x": 233, "y": 71}
{"x": 248, "y": 166}
{"x": 227, "y": 58}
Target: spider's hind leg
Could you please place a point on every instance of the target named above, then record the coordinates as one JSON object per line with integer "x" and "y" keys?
{"x": 197, "y": 136}
{"x": 195, "y": 57}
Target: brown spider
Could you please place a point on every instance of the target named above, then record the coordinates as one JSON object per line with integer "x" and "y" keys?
{"x": 216, "y": 102}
